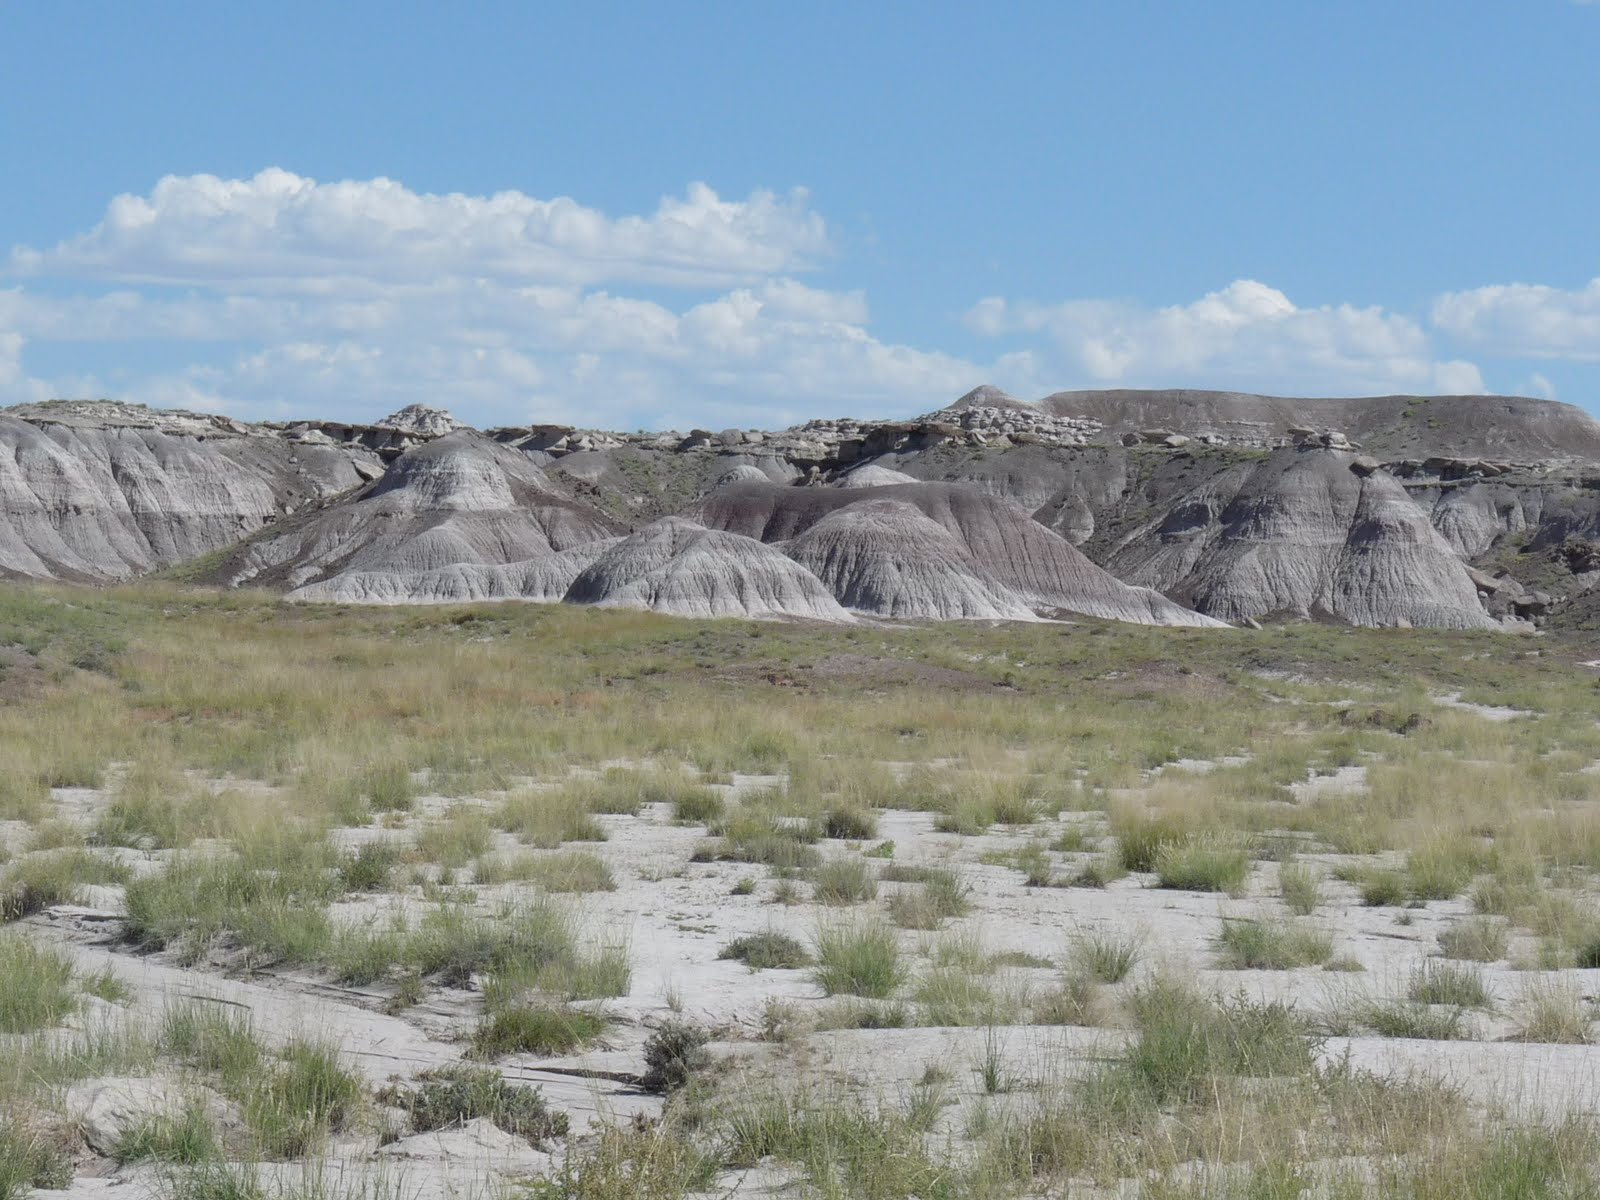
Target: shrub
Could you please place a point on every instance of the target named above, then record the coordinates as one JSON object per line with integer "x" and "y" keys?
{"x": 672, "y": 1053}
{"x": 761, "y": 951}
{"x": 859, "y": 960}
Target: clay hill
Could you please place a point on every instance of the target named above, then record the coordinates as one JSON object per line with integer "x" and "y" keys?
{"x": 1170, "y": 507}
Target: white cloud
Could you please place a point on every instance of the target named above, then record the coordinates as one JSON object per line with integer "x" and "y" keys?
{"x": 353, "y": 298}
{"x": 284, "y": 230}
{"x": 1525, "y": 320}
{"x": 1537, "y": 384}
{"x": 1247, "y": 336}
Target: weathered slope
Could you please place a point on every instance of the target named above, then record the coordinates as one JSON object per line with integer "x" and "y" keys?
{"x": 1301, "y": 531}
{"x": 95, "y": 492}
{"x": 1006, "y": 547}
{"x": 454, "y": 503}
{"x": 677, "y": 566}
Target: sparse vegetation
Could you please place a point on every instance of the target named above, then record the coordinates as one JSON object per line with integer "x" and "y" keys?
{"x": 231, "y": 734}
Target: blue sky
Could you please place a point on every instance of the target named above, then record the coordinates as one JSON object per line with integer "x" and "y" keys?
{"x": 747, "y": 214}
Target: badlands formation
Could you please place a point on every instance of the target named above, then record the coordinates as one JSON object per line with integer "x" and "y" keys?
{"x": 1167, "y": 508}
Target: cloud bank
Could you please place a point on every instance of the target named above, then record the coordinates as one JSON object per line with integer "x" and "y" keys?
{"x": 280, "y": 296}
{"x": 1247, "y": 336}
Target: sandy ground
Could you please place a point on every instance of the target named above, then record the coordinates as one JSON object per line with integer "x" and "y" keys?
{"x": 676, "y": 916}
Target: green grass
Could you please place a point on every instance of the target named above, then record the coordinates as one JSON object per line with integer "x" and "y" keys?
{"x": 370, "y": 868}
{"x": 1186, "y": 1043}
{"x": 29, "y": 1160}
{"x": 465, "y": 833}
{"x": 213, "y": 1038}
{"x": 186, "y": 1139}
{"x": 1301, "y": 888}
{"x": 44, "y": 879}
{"x": 36, "y": 986}
{"x": 562, "y": 871}
{"x": 546, "y": 820}
{"x": 1448, "y": 983}
{"x": 1272, "y": 945}
{"x": 940, "y": 895}
{"x": 698, "y": 806}
{"x": 449, "y": 1096}
{"x": 542, "y": 1029}
{"x": 1104, "y": 955}
{"x": 1203, "y": 864}
{"x": 1477, "y": 939}
{"x": 844, "y": 881}
{"x": 859, "y": 959}
{"x": 306, "y": 1095}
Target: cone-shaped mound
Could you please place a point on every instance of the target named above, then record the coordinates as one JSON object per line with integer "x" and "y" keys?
{"x": 676, "y": 566}
{"x": 1006, "y": 547}
{"x": 885, "y": 556}
{"x": 1303, "y": 532}
{"x": 454, "y": 503}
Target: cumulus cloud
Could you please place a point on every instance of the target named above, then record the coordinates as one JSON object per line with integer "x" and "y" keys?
{"x": 283, "y": 229}
{"x": 1525, "y": 320}
{"x": 1245, "y": 336}
{"x": 352, "y": 298}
